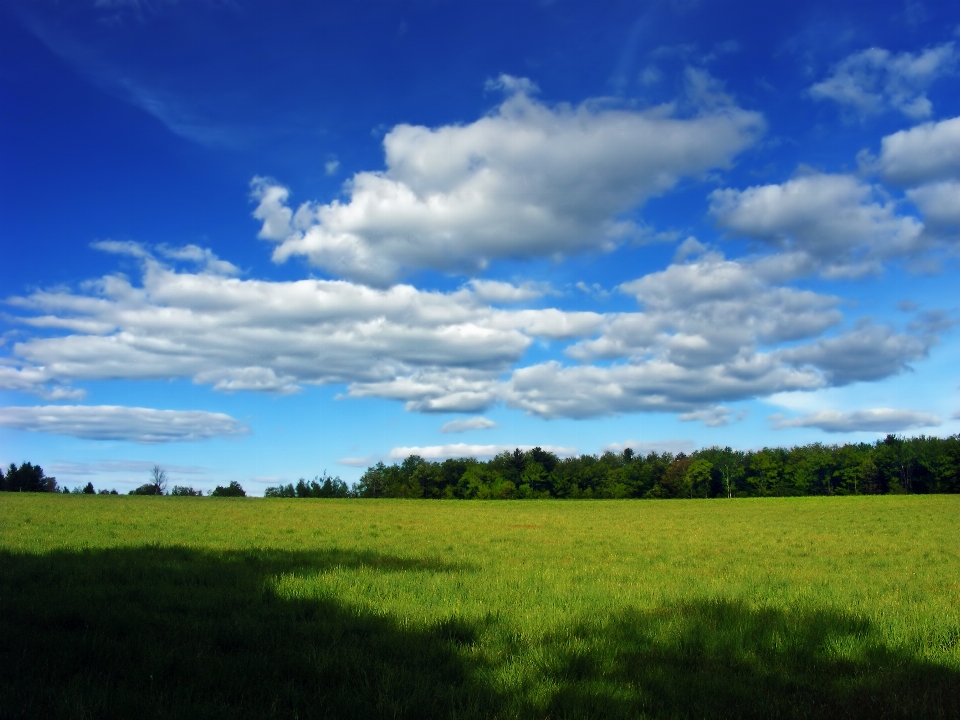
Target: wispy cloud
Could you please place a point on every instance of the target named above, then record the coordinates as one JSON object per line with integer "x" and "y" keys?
{"x": 113, "y": 422}
{"x": 875, "y": 80}
{"x": 466, "y": 424}
{"x": 883, "y": 420}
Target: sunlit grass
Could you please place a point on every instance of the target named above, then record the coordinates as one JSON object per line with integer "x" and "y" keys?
{"x": 789, "y": 607}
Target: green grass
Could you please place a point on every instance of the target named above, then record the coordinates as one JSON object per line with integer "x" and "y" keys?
{"x": 196, "y": 607}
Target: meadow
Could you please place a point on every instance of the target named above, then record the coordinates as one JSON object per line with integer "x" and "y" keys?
{"x": 181, "y": 607}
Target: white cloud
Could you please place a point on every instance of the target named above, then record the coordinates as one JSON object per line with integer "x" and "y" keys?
{"x": 330, "y": 167}
{"x": 925, "y": 153}
{"x": 204, "y": 257}
{"x": 121, "y": 247}
{"x": 504, "y": 292}
{"x": 835, "y": 224}
{"x": 939, "y": 202}
{"x": 698, "y": 343}
{"x": 712, "y": 417}
{"x": 876, "y": 80}
{"x": 458, "y": 450}
{"x": 551, "y": 390}
{"x": 708, "y": 311}
{"x": 526, "y": 180}
{"x": 883, "y": 420}
{"x": 467, "y": 424}
{"x": 440, "y": 351}
{"x": 709, "y": 332}
{"x": 113, "y": 422}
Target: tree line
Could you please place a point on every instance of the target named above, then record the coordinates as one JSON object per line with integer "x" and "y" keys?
{"x": 892, "y": 465}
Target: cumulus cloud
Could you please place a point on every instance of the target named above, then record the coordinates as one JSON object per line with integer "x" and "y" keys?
{"x": 875, "y": 80}
{"x": 458, "y": 450}
{"x": 884, "y": 420}
{"x": 708, "y": 311}
{"x": 466, "y": 424}
{"x": 700, "y": 341}
{"x": 114, "y": 422}
{"x": 834, "y": 224}
{"x": 939, "y": 202}
{"x": 440, "y": 351}
{"x": 709, "y": 331}
{"x": 923, "y": 154}
{"x": 526, "y": 180}
{"x": 869, "y": 352}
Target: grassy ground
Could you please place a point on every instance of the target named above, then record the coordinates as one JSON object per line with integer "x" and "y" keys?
{"x": 197, "y": 607}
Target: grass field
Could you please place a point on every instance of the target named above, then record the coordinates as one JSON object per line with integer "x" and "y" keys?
{"x": 197, "y": 607}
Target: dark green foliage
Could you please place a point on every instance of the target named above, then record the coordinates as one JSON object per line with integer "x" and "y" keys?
{"x": 188, "y": 633}
{"x": 322, "y": 486}
{"x": 147, "y": 489}
{"x": 232, "y": 490}
{"x": 892, "y": 465}
{"x": 27, "y": 478}
{"x": 180, "y": 490}
{"x": 88, "y": 489}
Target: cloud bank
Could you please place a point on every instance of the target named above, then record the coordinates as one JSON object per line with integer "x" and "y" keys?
{"x": 708, "y": 331}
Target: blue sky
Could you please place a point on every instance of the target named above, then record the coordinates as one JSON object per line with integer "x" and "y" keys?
{"x": 258, "y": 241}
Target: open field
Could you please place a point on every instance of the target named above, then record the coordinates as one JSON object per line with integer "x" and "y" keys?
{"x": 196, "y": 607}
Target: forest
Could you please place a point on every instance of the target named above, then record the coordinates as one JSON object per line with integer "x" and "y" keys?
{"x": 891, "y": 465}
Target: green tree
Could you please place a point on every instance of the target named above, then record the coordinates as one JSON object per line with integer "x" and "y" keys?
{"x": 233, "y": 489}
{"x": 699, "y": 475}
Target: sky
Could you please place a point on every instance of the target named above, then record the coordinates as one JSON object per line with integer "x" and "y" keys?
{"x": 259, "y": 241}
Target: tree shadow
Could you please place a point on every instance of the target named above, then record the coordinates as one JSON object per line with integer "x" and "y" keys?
{"x": 722, "y": 659}
{"x": 183, "y": 633}
{"x": 172, "y": 632}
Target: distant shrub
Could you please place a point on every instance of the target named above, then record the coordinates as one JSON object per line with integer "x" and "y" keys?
{"x": 281, "y": 491}
{"x": 180, "y": 490}
{"x": 88, "y": 489}
{"x": 322, "y": 486}
{"x": 232, "y": 490}
{"x": 148, "y": 489}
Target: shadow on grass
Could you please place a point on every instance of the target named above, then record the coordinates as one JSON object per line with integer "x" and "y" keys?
{"x": 176, "y": 632}
{"x": 723, "y": 659}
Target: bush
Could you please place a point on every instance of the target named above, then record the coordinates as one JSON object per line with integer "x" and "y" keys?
{"x": 322, "y": 486}
{"x": 231, "y": 490}
{"x": 148, "y": 489}
{"x": 180, "y": 490}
